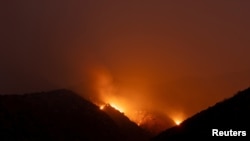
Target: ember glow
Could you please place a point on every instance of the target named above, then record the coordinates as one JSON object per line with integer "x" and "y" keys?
{"x": 177, "y": 122}
{"x": 102, "y": 107}
{"x": 117, "y": 107}
{"x": 178, "y": 118}
{"x": 125, "y": 98}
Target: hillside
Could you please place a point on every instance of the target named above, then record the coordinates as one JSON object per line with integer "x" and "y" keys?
{"x": 230, "y": 114}
{"x": 129, "y": 129}
{"x": 56, "y": 115}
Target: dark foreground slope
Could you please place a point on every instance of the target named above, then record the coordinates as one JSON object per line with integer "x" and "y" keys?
{"x": 231, "y": 114}
{"x": 129, "y": 129}
{"x": 57, "y": 115}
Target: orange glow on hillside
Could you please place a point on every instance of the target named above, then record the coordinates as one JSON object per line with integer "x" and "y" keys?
{"x": 117, "y": 107}
{"x": 178, "y": 118}
{"x": 102, "y": 107}
{"x": 177, "y": 122}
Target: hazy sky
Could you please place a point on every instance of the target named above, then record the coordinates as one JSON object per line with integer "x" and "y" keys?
{"x": 179, "y": 56}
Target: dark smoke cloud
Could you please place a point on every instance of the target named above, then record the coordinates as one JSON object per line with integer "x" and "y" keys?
{"x": 169, "y": 56}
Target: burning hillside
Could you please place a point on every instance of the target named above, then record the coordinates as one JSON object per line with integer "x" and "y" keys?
{"x": 109, "y": 92}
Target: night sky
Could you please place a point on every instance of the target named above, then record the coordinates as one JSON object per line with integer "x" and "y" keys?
{"x": 175, "y": 57}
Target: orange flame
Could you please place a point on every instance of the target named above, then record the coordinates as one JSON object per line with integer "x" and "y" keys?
{"x": 117, "y": 107}
{"x": 178, "y": 118}
{"x": 177, "y": 121}
{"x": 102, "y": 107}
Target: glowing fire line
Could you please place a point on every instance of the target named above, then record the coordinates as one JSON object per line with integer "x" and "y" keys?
{"x": 118, "y": 108}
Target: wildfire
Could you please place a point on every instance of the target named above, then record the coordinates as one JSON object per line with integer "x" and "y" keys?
{"x": 177, "y": 121}
{"x": 102, "y": 107}
{"x": 178, "y": 118}
{"x": 115, "y": 106}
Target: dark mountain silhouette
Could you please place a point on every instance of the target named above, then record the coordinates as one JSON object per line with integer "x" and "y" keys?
{"x": 230, "y": 114}
{"x": 58, "y": 115}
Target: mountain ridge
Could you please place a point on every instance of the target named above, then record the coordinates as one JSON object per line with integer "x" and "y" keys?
{"x": 56, "y": 115}
{"x": 230, "y": 114}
